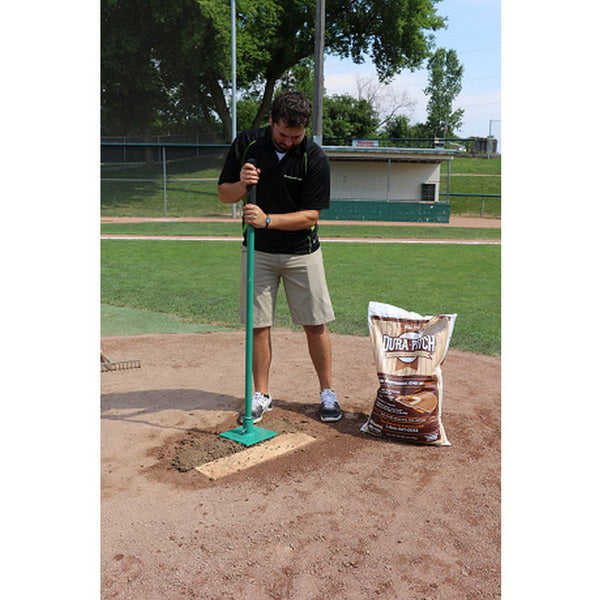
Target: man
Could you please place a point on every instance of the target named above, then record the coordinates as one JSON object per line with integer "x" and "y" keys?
{"x": 292, "y": 187}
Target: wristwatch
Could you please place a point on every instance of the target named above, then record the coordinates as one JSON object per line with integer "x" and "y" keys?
{"x": 268, "y": 221}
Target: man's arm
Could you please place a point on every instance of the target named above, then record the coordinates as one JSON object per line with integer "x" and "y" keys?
{"x": 293, "y": 221}
{"x": 230, "y": 193}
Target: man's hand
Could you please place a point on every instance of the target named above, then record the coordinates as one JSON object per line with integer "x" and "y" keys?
{"x": 255, "y": 216}
{"x": 230, "y": 193}
{"x": 249, "y": 175}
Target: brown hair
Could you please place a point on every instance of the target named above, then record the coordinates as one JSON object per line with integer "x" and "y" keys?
{"x": 293, "y": 108}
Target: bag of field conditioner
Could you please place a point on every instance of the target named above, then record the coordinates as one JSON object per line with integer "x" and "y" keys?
{"x": 409, "y": 349}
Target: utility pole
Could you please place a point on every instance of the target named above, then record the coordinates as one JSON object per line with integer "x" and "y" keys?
{"x": 319, "y": 72}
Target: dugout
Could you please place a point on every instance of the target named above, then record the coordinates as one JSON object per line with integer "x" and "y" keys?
{"x": 387, "y": 184}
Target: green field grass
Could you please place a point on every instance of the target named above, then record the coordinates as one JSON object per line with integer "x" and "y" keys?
{"x": 208, "y": 163}
{"x": 198, "y": 282}
{"x": 473, "y": 176}
{"x": 140, "y": 197}
{"x": 119, "y": 320}
{"x": 146, "y": 199}
{"x": 472, "y": 185}
{"x": 480, "y": 166}
{"x": 476, "y": 206}
{"x": 332, "y": 230}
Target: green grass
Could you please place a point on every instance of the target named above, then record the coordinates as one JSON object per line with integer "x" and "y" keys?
{"x": 146, "y": 198}
{"x": 199, "y": 198}
{"x": 332, "y": 230}
{"x": 472, "y": 185}
{"x": 117, "y": 320}
{"x": 198, "y": 282}
{"x": 207, "y": 164}
{"x": 472, "y": 206}
{"x": 481, "y": 166}
{"x": 473, "y": 176}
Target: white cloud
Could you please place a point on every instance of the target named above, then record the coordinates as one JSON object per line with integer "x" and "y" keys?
{"x": 341, "y": 83}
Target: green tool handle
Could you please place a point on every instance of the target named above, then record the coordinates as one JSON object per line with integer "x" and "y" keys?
{"x": 247, "y": 421}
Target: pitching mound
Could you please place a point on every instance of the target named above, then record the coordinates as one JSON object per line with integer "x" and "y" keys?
{"x": 347, "y": 516}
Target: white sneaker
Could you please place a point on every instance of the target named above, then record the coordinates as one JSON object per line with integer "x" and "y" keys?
{"x": 261, "y": 404}
{"x": 330, "y": 409}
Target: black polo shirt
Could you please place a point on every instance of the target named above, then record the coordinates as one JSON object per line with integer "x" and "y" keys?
{"x": 299, "y": 181}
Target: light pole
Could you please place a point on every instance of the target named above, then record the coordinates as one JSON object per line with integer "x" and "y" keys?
{"x": 233, "y": 71}
{"x": 319, "y": 75}
{"x": 234, "y": 207}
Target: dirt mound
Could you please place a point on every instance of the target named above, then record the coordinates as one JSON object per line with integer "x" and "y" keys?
{"x": 348, "y": 516}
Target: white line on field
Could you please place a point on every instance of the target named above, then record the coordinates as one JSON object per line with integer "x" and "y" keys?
{"x": 182, "y": 238}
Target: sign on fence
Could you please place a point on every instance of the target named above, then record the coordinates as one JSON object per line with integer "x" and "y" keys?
{"x": 365, "y": 143}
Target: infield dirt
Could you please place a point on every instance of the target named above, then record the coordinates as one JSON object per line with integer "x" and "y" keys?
{"x": 347, "y": 517}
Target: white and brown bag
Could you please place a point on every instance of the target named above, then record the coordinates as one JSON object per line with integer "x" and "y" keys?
{"x": 409, "y": 349}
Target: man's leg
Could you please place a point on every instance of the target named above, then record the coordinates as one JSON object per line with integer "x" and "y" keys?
{"x": 261, "y": 358}
{"x": 319, "y": 348}
{"x": 266, "y": 283}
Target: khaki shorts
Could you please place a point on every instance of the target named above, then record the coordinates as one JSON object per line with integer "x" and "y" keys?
{"x": 304, "y": 283}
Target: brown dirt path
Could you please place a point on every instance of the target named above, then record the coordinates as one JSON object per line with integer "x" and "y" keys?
{"x": 475, "y": 222}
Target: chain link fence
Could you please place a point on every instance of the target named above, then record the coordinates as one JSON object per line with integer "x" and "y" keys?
{"x": 179, "y": 179}
{"x": 161, "y": 179}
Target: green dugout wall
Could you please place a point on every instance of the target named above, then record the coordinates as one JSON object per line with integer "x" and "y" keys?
{"x": 373, "y": 210}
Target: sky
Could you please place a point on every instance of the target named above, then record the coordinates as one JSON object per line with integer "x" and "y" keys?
{"x": 474, "y": 33}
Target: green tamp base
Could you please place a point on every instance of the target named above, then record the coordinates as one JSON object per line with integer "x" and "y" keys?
{"x": 248, "y": 435}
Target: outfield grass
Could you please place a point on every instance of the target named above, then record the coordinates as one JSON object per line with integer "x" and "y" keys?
{"x": 199, "y": 199}
{"x": 472, "y": 206}
{"x": 146, "y": 199}
{"x": 139, "y": 197}
{"x": 480, "y": 166}
{"x": 473, "y": 176}
{"x": 470, "y": 185}
{"x": 331, "y": 230}
{"x": 198, "y": 282}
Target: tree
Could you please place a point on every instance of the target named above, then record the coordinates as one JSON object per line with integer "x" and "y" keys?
{"x": 183, "y": 58}
{"x": 391, "y": 32}
{"x": 385, "y": 101}
{"x": 445, "y": 75}
{"x": 347, "y": 117}
{"x": 170, "y": 59}
{"x": 398, "y": 127}
{"x": 131, "y": 83}
{"x": 300, "y": 77}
